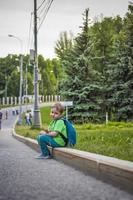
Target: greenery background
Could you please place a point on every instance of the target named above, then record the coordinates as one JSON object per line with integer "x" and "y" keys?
{"x": 93, "y": 69}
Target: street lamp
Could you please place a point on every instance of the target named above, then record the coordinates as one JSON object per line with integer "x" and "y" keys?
{"x": 21, "y": 77}
{"x": 26, "y": 83}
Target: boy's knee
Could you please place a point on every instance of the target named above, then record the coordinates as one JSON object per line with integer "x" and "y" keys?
{"x": 42, "y": 138}
{"x": 38, "y": 138}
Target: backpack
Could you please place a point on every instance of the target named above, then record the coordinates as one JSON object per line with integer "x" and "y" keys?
{"x": 71, "y": 133}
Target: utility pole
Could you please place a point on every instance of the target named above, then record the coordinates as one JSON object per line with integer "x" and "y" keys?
{"x": 37, "y": 116}
{"x": 26, "y": 86}
{"x": 21, "y": 77}
{"x": 6, "y": 79}
{"x": 20, "y": 89}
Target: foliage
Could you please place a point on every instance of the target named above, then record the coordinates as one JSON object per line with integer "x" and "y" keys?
{"x": 51, "y": 72}
{"x": 99, "y": 70}
{"x": 81, "y": 84}
{"x": 94, "y": 70}
{"x": 64, "y": 44}
{"x": 8, "y": 65}
{"x": 121, "y": 73}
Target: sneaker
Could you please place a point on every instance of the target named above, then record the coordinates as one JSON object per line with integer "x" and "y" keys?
{"x": 43, "y": 157}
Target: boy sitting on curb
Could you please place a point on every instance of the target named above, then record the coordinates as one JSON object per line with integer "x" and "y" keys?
{"x": 51, "y": 137}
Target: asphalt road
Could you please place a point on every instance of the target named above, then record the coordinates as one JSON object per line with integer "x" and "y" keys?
{"x": 22, "y": 177}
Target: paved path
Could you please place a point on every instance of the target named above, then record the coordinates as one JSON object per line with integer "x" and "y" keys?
{"x": 22, "y": 177}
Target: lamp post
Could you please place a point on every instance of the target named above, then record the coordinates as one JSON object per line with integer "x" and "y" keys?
{"x": 26, "y": 84}
{"x": 21, "y": 77}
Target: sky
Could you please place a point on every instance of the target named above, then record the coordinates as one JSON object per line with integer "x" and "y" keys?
{"x": 63, "y": 15}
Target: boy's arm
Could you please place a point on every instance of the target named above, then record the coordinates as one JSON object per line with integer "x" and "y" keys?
{"x": 51, "y": 133}
{"x": 44, "y": 131}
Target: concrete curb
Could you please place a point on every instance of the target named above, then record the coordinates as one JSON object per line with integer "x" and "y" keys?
{"x": 115, "y": 171}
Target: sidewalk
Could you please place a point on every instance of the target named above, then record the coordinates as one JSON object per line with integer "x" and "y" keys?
{"x": 26, "y": 178}
{"x": 115, "y": 171}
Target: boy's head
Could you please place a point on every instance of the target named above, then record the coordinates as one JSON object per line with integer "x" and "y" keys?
{"x": 56, "y": 111}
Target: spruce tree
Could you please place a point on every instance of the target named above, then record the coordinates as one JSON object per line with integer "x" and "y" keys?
{"x": 81, "y": 84}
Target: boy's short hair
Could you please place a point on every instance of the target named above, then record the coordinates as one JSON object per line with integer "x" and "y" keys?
{"x": 58, "y": 107}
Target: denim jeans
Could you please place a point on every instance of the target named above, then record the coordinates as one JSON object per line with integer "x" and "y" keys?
{"x": 27, "y": 121}
{"x": 44, "y": 141}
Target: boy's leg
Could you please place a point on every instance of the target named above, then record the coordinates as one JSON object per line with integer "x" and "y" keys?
{"x": 43, "y": 141}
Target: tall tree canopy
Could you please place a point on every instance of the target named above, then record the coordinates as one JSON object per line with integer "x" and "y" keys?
{"x": 81, "y": 82}
{"x": 99, "y": 70}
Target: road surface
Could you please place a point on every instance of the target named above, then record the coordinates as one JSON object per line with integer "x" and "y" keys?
{"x": 22, "y": 177}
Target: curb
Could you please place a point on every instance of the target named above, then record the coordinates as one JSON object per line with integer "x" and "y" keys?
{"x": 112, "y": 170}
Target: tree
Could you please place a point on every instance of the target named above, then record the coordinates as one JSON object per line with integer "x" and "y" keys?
{"x": 64, "y": 44}
{"x": 81, "y": 83}
{"x": 7, "y": 66}
{"x": 51, "y": 73}
{"x": 121, "y": 72}
{"x": 13, "y": 86}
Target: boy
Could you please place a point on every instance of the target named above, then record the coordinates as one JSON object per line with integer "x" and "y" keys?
{"x": 51, "y": 137}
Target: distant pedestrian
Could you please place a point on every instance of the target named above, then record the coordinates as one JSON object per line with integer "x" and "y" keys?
{"x": 30, "y": 117}
{"x": 0, "y": 118}
{"x": 13, "y": 111}
{"x": 6, "y": 114}
{"x": 27, "y": 118}
{"x": 17, "y": 112}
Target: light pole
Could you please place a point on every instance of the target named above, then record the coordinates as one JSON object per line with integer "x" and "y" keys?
{"x": 26, "y": 84}
{"x": 21, "y": 77}
{"x": 26, "y": 88}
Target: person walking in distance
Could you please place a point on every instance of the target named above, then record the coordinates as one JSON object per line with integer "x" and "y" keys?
{"x": 6, "y": 114}
{"x": 27, "y": 118}
{"x": 0, "y": 117}
{"x": 30, "y": 117}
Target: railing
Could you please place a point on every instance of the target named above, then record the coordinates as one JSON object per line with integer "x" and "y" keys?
{"x": 29, "y": 99}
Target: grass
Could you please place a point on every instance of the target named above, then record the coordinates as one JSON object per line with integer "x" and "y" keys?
{"x": 114, "y": 139}
{"x": 110, "y": 142}
{"x": 45, "y": 115}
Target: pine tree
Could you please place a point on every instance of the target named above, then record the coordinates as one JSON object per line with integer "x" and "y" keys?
{"x": 81, "y": 84}
{"x": 64, "y": 44}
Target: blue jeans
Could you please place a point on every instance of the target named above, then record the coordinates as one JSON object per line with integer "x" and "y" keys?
{"x": 27, "y": 121}
{"x": 44, "y": 141}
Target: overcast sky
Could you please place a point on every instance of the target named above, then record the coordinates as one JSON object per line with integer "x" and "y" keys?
{"x": 64, "y": 15}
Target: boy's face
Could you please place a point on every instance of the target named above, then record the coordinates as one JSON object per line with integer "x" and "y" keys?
{"x": 55, "y": 114}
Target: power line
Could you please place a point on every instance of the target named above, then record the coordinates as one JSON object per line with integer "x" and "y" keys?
{"x": 39, "y": 13}
{"x": 41, "y": 5}
{"x": 45, "y": 13}
{"x": 45, "y": 8}
{"x": 30, "y": 28}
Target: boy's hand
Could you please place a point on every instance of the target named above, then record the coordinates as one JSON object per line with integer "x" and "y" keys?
{"x": 44, "y": 132}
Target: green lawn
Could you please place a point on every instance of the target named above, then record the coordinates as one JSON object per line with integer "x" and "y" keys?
{"x": 114, "y": 139}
